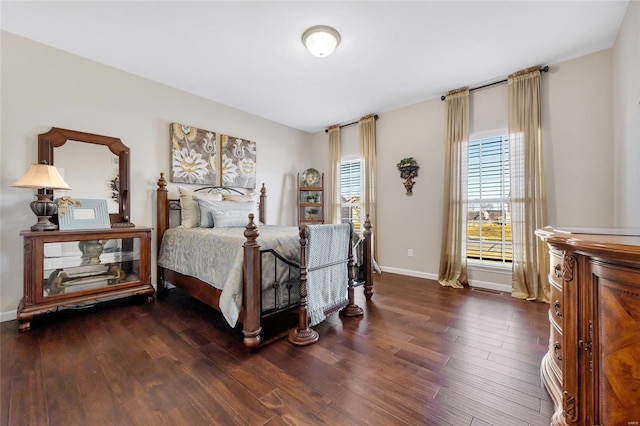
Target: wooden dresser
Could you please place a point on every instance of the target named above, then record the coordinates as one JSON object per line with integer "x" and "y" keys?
{"x": 592, "y": 369}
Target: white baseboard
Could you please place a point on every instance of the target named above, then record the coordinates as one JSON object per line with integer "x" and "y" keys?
{"x": 429, "y": 276}
{"x": 410, "y": 273}
{"x": 8, "y": 316}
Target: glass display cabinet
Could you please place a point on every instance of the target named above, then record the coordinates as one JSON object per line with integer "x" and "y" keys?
{"x": 77, "y": 268}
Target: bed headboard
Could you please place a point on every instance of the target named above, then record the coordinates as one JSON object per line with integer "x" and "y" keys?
{"x": 164, "y": 205}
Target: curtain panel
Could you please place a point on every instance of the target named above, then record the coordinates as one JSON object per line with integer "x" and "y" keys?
{"x": 367, "y": 125}
{"x": 453, "y": 255}
{"x": 528, "y": 199}
{"x": 334, "y": 198}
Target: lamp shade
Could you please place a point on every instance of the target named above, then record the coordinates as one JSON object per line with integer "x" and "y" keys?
{"x": 321, "y": 40}
{"x": 41, "y": 176}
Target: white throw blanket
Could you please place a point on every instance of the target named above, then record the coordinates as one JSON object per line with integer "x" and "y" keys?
{"x": 327, "y": 278}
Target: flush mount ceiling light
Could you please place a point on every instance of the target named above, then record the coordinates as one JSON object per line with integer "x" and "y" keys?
{"x": 321, "y": 40}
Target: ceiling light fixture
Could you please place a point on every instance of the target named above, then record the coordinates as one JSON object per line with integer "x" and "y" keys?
{"x": 321, "y": 40}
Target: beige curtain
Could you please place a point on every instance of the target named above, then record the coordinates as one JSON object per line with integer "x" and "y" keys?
{"x": 367, "y": 126}
{"x": 333, "y": 200}
{"x": 453, "y": 255}
{"x": 528, "y": 200}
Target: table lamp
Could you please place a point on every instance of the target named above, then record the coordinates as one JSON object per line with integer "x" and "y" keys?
{"x": 42, "y": 177}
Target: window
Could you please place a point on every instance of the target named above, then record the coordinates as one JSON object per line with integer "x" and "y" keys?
{"x": 350, "y": 192}
{"x": 488, "y": 215}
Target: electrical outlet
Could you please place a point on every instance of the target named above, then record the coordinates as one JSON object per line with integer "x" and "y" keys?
{"x": 410, "y": 252}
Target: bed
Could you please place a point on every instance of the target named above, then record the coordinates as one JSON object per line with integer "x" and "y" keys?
{"x": 266, "y": 272}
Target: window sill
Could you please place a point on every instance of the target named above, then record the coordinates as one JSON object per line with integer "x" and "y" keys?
{"x": 477, "y": 265}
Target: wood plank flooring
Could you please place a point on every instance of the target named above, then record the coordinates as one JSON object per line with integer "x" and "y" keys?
{"x": 421, "y": 355}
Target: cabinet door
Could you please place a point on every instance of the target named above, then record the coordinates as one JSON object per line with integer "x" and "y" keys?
{"x": 572, "y": 406}
{"x": 79, "y": 266}
{"x": 616, "y": 345}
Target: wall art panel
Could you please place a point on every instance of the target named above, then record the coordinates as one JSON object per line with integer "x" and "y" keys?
{"x": 238, "y": 162}
{"x": 193, "y": 155}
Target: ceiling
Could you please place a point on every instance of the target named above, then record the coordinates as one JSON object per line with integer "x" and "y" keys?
{"x": 249, "y": 55}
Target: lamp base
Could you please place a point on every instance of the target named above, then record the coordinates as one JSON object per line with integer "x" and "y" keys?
{"x": 44, "y": 208}
{"x": 44, "y": 224}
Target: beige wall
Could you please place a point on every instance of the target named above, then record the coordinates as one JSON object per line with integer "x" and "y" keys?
{"x": 626, "y": 119}
{"x": 577, "y": 137}
{"x": 410, "y": 222}
{"x": 488, "y": 112}
{"x": 44, "y": 87}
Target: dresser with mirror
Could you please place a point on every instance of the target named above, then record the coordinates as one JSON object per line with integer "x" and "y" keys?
{"x": 80, "y": 267}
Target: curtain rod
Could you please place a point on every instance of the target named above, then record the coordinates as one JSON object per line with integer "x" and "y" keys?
{"x": 349, "y": 124}
{"x": 543, "y": 69}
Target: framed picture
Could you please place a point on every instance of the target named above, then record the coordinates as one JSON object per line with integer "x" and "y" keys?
{"x": 237, "y": 162}
{"x": 89, "y": 214}
{"x": 193, "y": 155}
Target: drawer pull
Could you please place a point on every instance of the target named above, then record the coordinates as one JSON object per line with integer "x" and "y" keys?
{"x": 556, "y": 308}
{"x": 556, "y": 346}
{"x": 557, "y": 271}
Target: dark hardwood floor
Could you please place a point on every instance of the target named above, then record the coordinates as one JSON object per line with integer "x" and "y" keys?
{"x": 421, "y": 354}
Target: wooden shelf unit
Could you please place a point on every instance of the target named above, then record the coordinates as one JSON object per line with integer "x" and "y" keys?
{"x": 305, "y": 204}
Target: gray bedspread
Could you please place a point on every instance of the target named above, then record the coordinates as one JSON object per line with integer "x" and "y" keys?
{"x": 214, "y": 255}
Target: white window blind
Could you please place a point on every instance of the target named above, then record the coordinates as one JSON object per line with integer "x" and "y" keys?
{"x": 488, "y": 215}
{"x": 350, "y": 192}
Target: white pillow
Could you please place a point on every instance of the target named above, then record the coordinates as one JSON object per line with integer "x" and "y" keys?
{"x": 190, "y": 210}
{"x": 244, "y": 199}
{"x": 223, "y": 214}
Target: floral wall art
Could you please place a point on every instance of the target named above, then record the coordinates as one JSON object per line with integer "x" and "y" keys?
{"x": 238, "y": 163}
{"x": 193, "y": 155}
{"x": 198, "y": 157}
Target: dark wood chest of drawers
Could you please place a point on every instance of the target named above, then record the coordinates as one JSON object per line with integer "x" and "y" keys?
{"x": 592, "y": 369}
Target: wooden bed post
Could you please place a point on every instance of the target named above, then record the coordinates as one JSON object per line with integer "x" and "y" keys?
{"x": 251, "y": 286}
{"x": 262, "y": 212}
{"x": 303, "y": 335}
{"x": 368, "y": 259}
{"x": 351, "y": 310}
{"x": 162, "y": 210}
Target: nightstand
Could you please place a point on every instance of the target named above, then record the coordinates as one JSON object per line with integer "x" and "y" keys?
{"x": 71, "y": 268}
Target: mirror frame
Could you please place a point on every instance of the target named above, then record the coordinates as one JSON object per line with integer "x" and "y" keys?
{"x": 57, "y": 137}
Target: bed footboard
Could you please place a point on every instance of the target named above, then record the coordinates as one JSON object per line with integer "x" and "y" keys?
{"x": 304, "y": 335}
